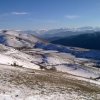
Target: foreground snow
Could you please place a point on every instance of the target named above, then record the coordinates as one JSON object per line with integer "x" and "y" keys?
{"x": 56, "y": 96}
{"x": 25, "y": 84}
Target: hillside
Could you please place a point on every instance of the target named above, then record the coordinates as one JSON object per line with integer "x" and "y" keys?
{"x": 25, "y": 84}
{"x": 45, "y": 71}
{"x": 18, "y": 39}
{"x": 89, "y": 41}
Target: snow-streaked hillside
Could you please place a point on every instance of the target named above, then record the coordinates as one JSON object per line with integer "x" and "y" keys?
{"x": 38, "y": 67}
{"x": 18, "y": 39}
{"x": 9, "y": 56}
{"x": 78, "y": 52}
{"x": 35, "y": 58}
{"x": 64, "y": 59}
{"x": 24, "y": 84}
{"x": 36, "y": 53}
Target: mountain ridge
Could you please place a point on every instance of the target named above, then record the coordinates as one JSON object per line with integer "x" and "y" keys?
{"x": 89, "y": 41}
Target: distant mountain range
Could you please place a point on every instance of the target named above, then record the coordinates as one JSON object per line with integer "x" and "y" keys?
{"x": 56, "y": 34}
{"x": 87, "y": 40}
{"x": 84, "y": 37}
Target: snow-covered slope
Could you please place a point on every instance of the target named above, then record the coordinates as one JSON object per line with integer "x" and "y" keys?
{"x": 46, "y": 71}
{"x": 35, "y": 58}
{"x": 24, "y": 84}
{"x": 18, "y": 39}
{"x": 78, "y": 52}
{"x": 10, "y": 56}
{"x": 76, "y": 61}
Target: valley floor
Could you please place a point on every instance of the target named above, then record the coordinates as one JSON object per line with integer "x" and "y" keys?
{"x": 18, "y": 83}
